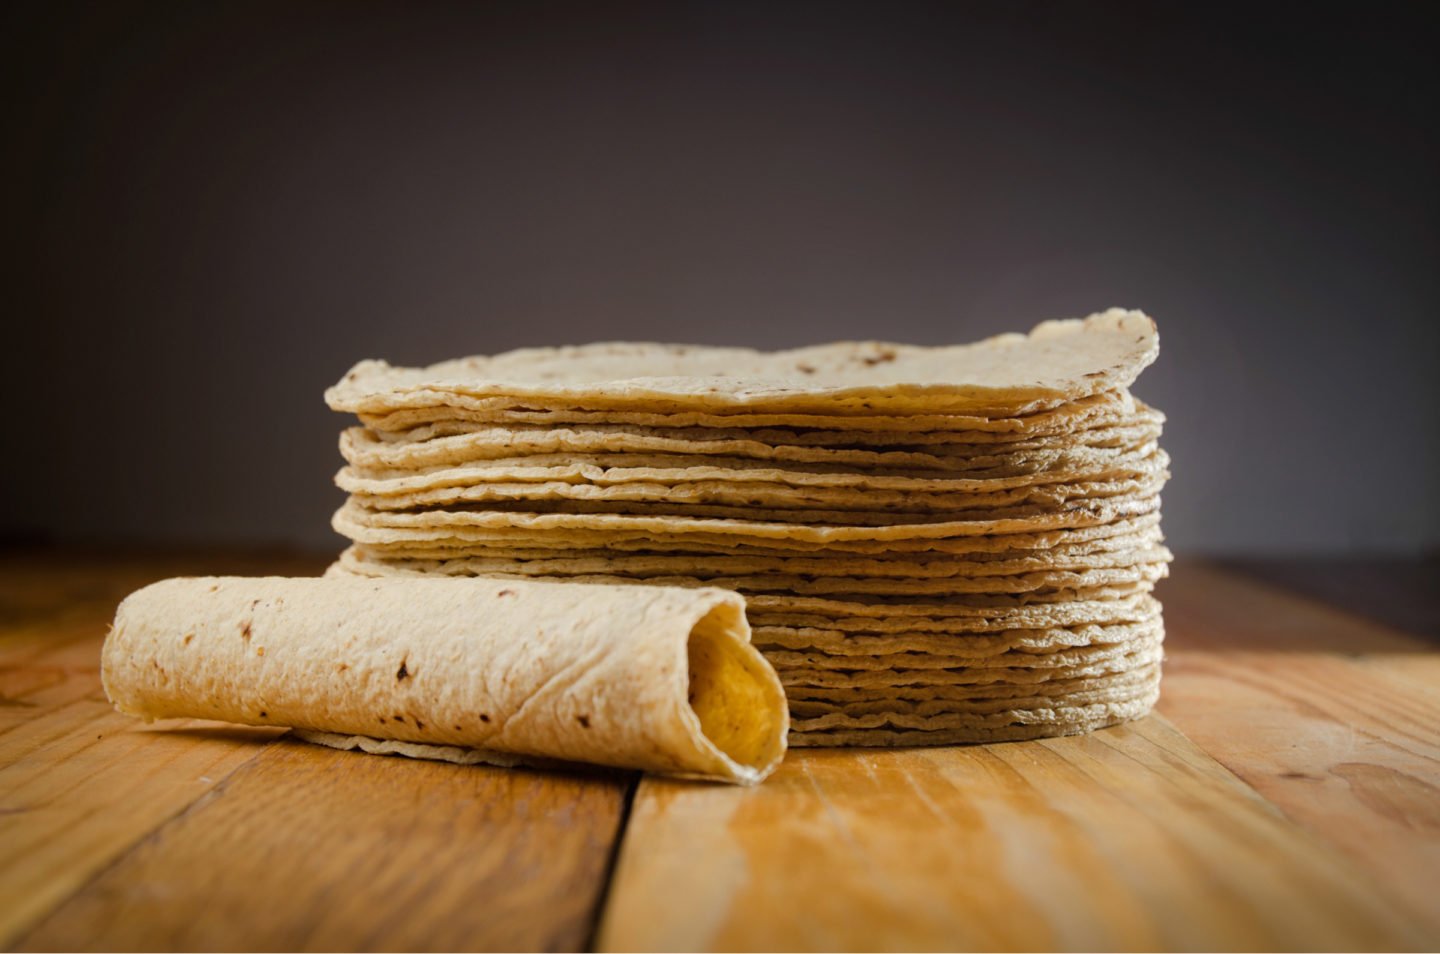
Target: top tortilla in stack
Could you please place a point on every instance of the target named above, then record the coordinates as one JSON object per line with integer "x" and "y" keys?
{"x": 937, "y": 544}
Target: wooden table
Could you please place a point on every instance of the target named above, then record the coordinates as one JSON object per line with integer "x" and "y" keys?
{"x": 1286, "y": 796}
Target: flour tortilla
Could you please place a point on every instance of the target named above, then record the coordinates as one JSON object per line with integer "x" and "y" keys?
{"x": 559, "y": 563}
{"x": 1104, "y": 551}
{"x": 561, "y": 671}
{"x": 606, "y": 469}
{"x": 971, "y": 605}
{"x": 476, "y": 542}
{"x": 973, "y": 734}
{"x": 1112, "y": 407}
{"x": 1047, "y": 586}
{"x": 953, "y": 728}
{"x": 435, "y": 445}
{"x": 365, "y": 526}
{"x": 820, "y": 617}
{"x": 582, "y": 488}
{"x": 840, "y": 643}
{"x": 1059, "y": 361}
{"x": 1032, "y": 656}
{"x": 811, "y": 701}
{"x": 1095, "y": 661}
{"x": 1034, "y": 582}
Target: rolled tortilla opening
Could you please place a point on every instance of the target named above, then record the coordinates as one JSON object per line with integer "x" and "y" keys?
{"x": 655, "y": 678}
{"x": 732, "y": 692}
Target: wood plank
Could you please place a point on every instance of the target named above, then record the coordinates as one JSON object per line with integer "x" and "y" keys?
{"x": 419, "y": 855}
{"x": 43, "y": 669}
{"x": 1333, "y": 718}
{"x": 81, "y": 785}
{"x": 312, "y": 849}
{"x": 1127, "y": 839}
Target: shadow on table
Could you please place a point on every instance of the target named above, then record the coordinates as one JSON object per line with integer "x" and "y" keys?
{"x": 1403, "y": 593}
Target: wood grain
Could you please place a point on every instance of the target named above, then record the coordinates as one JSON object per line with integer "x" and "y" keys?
{"x": 307, "y": 849}
{"x": 1128, "y": 839}
{"x": 131, "y": 830}
{"x": 79, "y": 784}
{"x": 1332, "y": 718}
{"x": 1299, "y": 809}
{"x": 82, "y": 784}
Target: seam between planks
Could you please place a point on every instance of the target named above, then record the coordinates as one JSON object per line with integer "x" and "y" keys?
{"x": 607, "y": 877}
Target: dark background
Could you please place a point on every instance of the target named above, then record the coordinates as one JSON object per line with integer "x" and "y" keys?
{"x": 213, "y": 209}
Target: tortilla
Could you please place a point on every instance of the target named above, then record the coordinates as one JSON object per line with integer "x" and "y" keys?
{"x": 813, "y": 700}
{"x": 853, "y": 619}
{"x": 365, "y": 526}
{"x": 564, "y": 562}
{"x": 1098, "y": 661}
{"x": 953, "y": 728}
{"x": 442, "y": 546}
{"x": 437, "y": 445}
{"x": 652, "y": 678}
{"x": 1107, "y": 408}
{"x": 675, "y": 470}
{"x": 839, "y": 644}
{"x": 973, "y": 734}
{"x": 934, "y": 544}
{"x": 1058, "y": 362}
{"x": 1043, "y": 581}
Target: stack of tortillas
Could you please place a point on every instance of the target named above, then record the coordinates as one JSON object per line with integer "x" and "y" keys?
{"x": 950, "y": 544}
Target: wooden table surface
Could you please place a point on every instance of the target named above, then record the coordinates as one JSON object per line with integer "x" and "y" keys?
{"x": 1285, "y": 796}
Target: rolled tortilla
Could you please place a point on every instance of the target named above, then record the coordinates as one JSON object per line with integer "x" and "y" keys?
{"x": 653, "y": 678}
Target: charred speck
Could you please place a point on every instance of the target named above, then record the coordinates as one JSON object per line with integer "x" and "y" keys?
{"x": 404, "y": 673}
{"x": 264, "y": 715}
{"x": 245, "y": 631}
{"x": 484, "y": 717}
{"x": 398, "y": 718}
{"x": 419, "y": 724}
{"x": 584, "y": 721}
{"x": 504, "y": 593}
